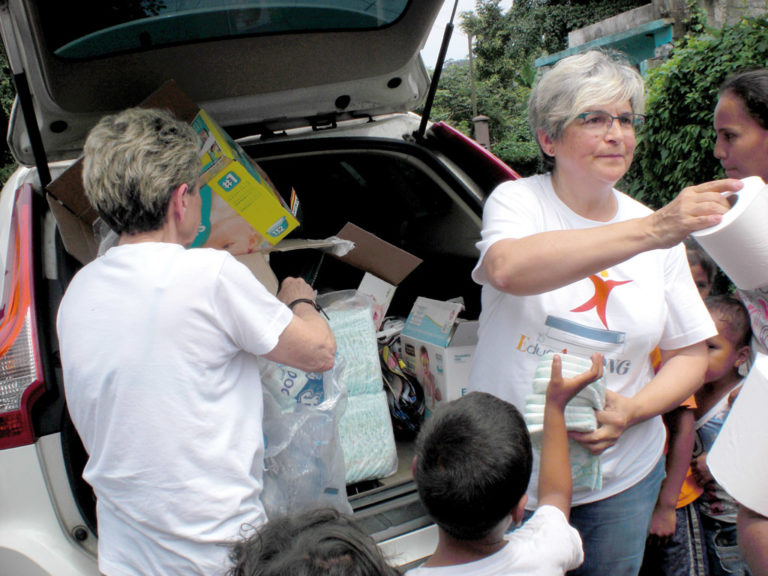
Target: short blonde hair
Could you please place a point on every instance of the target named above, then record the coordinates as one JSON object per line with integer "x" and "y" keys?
{"x": 579, "y": 83}
{"x": 132, "y": 163}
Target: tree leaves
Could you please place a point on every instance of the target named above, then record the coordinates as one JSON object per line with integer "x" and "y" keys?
{"x": 676, "y": 146}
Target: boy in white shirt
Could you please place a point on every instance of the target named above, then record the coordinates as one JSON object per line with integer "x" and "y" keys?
{"x": 472, "y": 468}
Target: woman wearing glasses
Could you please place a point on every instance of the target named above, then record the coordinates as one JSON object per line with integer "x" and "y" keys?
{"x": 569, "y": 264}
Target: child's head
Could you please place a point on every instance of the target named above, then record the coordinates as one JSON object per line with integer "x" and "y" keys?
{"x": 703, "y": 268}
{"x": 730, "y": 348}
{"x": 473, "y": 464}
{"x": 320, "y": 542}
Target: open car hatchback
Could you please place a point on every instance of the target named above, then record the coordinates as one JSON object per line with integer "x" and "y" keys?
{"x": 320, "y": 95}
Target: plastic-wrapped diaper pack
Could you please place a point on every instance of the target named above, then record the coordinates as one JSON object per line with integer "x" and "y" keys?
{"x": 303, "y": 457}
{"x": 365, "y": 429}
{"x": 579, "y": 416}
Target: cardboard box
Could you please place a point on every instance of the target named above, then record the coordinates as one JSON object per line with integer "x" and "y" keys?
{"x": 438, "y": 348}
{"x": 243, "y": 213}
{"x": 384, "y": 264}
{"x": 230, "y": 175}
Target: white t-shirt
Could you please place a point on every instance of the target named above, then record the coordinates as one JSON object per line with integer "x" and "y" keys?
{"x": 623, "y": 312}
{"x": 546, "y": 545}
{"x": 157, "y": 348}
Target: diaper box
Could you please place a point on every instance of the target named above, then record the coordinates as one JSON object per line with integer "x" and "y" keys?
{"x": 438, "y": 348}
{"x": 230, "y": 175}
{"x": 242, "y": 212}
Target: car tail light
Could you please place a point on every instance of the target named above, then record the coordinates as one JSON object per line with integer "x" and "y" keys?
{"x": 21, "y": 382}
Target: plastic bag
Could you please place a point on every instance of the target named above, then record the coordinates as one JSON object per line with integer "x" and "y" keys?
{"x": 303, "y": 457}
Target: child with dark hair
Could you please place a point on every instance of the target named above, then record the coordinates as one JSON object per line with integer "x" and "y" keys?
{"x": 727, "y": 351}
{"x": 321, "y": 542}
{"x": 472, "y": 468}
{"x": 703, "y": 268}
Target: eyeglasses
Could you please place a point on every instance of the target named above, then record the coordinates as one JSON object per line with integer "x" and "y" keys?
{"x": 600, "y": 122}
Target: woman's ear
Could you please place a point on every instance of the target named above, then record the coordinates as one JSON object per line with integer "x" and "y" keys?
{"x": 546, "y": 143}
{"x": 180, "y": 201}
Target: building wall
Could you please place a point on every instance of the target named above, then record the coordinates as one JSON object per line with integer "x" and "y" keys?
{"x": 727, "y": 12}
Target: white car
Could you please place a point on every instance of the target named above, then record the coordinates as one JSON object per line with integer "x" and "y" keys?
{"x": 320, "y": 95}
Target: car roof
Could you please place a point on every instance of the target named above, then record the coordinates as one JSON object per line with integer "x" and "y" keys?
{"x": 266, "y": 65}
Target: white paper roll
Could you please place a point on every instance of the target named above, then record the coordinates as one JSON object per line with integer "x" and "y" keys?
{"x": 739, "y": 243}
{"x": 738, "y": 459}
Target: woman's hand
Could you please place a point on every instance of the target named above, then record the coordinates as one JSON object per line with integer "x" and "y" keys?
{"x": 292, "y": 288}
{"x": 612, "y": 420}
{"x": 695, "y": 208}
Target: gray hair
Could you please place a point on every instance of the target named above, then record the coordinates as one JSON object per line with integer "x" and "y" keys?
{"x": 133, "y": 161}
{"x": 579, "y": 83}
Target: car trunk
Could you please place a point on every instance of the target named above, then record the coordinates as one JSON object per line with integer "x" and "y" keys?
{"x": 289, "y": 107}
{"x": 403, "y": 193}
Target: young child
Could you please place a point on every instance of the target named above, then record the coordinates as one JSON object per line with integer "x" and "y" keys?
{"x": 320, "y": 542}
{"x": 675, "y": 546}
{"x": 727, "y": 351}
{"x": 703, "y": 268}
{"x": 472, "y": 468}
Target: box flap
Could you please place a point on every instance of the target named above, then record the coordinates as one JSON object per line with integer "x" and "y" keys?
{"x": 76, "y": 233}
{"x": 432, "y": 321}
{"x": 172, "y": 98}
{"x": 258, "y": 265}
{"x": 465, "y": 333}
{"x": 374, "y": 255}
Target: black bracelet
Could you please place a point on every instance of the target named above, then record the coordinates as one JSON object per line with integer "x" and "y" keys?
{"x": 312, "y": 303}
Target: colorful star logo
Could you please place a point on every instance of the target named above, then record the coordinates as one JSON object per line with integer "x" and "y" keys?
{"x": 600, "y": 300}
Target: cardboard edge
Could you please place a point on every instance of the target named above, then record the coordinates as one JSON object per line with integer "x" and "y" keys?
{"x": 377, "y": 256}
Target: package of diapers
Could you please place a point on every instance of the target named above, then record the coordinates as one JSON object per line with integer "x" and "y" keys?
{"x": 303, "y": 455}
{"x": 365, "y": 429}
{"x": 579, "y": 416}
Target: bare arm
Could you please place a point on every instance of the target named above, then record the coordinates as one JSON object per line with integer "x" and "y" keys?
{"x": 555, "y": 484}
{"x": 681, "y": 433}
{"x": 681, "y": 374}
{"x": 550, "y": 260}
{"x": 307, "y": 342}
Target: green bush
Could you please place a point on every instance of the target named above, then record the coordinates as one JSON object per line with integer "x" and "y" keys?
{"x": 675, "y": 148}
{"x": 7, "y": 92}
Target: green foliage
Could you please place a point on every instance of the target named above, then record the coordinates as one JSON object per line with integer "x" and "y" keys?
{"x": 675, "y": 148}
{"x": 7, "y": 93}
{"x": 506, "y": 45}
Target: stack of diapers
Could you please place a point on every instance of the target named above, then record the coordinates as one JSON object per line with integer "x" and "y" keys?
{"x": 579, "y": 416}
{"x": 365, "y": 429}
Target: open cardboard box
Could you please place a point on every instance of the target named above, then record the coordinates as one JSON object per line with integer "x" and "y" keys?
{"x": 242, "y": 211}
{"x": 250, "y": 228}
{"x": 384, "y": 264}
{"x": 438, "y": 347}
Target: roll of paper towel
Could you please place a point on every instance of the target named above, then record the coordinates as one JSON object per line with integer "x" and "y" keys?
{"x": 737, "y": 459}
{"x": 739, "y": 243}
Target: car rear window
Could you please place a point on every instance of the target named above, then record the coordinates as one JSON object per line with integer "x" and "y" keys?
{"x": 80, "y": 29}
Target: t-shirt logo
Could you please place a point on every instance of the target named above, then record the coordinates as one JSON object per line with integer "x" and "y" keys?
{"x": 600, "y": 300}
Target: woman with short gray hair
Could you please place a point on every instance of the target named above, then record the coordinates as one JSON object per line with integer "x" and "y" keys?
{"x": 132, "y": 162}
{"x": 158, "y": 349}
{"x": 569, "y": 264}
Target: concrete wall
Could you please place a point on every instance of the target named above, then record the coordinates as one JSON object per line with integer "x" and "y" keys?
{"x": 726, "y": 12}
{"x": 719, "y": 13}
{"x": 614, "y": 25}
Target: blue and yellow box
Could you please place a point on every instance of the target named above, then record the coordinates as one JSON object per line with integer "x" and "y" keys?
{"x": 230, "y": 175}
